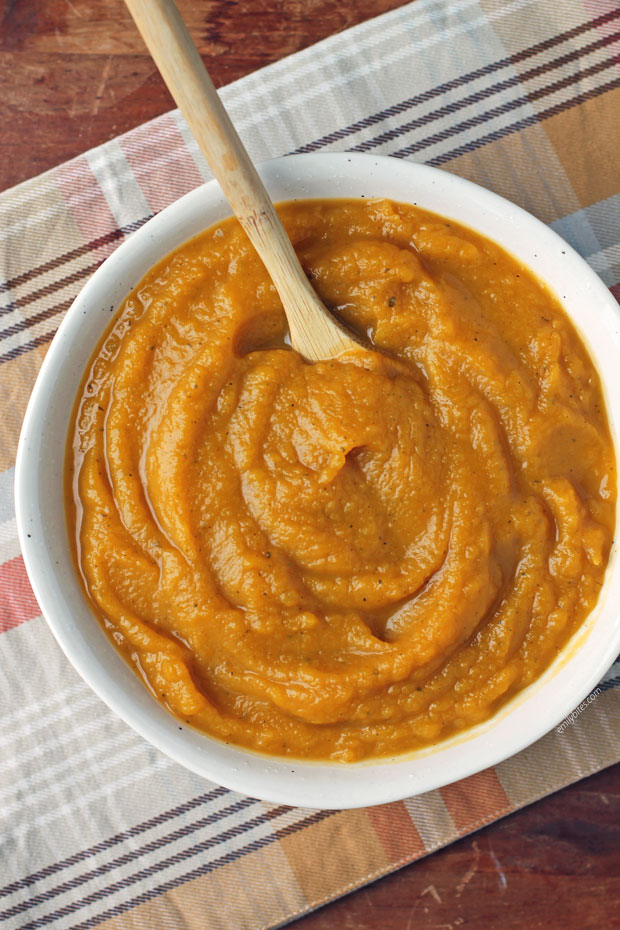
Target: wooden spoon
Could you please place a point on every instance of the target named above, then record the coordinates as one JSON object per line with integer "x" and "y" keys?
{"x": 314, "y": 332}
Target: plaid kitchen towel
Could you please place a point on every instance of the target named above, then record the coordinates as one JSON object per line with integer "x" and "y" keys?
{"x": 98, "y": 828}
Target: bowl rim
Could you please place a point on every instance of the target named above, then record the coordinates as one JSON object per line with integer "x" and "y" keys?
{"x": 291, "y": 781}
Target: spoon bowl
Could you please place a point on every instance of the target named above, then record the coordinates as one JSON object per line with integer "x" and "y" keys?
{"x": 314, "y": 332}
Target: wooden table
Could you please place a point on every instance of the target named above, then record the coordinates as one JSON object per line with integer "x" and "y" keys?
{"x": 73, "y": 73}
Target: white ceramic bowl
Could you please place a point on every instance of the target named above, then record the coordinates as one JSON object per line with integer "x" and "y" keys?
{"x": 44, "y": 536}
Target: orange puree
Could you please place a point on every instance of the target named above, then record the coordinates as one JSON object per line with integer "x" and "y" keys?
{"x": 353, "y": 558}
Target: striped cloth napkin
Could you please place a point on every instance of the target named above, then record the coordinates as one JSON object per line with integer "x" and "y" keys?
{"x": 98, "y": 828}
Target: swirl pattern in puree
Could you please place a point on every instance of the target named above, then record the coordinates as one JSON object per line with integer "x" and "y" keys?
{"x": 353, "y": 558}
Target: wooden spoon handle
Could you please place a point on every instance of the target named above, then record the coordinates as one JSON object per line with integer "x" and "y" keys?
{"x": 181, "y": 67}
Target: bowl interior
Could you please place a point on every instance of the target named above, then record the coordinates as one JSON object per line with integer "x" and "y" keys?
{"x": 41, "y": 513}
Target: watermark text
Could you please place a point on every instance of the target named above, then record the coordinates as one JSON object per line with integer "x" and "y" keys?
{"x": 568, "y": 721}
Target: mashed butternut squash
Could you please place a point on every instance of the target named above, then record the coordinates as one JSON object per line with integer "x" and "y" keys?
{"x": 353, "y": 558}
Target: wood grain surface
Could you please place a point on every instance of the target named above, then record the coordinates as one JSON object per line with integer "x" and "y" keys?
{"x": 553, "y": 865}
{"x": 73, "y": 74}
